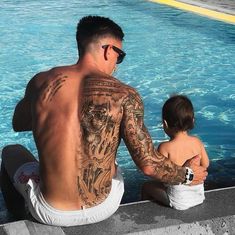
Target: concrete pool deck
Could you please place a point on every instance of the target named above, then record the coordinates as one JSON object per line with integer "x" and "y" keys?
{"x": 215, "y": 216}
{"x": 223, "y": 10}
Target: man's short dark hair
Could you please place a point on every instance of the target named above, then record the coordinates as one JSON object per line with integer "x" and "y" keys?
{"x": 92, "y": 28}
{"x": 179, "y": 114}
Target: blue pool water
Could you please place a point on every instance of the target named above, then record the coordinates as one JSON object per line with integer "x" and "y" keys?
{"x": 168, "y": 51}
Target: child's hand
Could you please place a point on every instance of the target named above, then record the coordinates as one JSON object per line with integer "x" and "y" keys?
{"x": 193, "y": 161}
{"x": 200, "y": 172}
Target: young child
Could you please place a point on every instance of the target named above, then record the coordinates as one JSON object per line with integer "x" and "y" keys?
{"x": 178, "y": 119}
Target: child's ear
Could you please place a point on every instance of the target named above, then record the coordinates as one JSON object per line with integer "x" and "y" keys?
{"x": 165, "y": 123}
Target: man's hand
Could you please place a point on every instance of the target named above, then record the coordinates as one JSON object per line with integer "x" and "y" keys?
{"x": 199, "y": 172}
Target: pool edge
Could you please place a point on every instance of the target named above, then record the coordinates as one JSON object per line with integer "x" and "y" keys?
{"x": 198, "y": 9}
{"x": 215, "y": 216}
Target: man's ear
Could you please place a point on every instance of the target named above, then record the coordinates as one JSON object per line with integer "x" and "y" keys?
{"x": 107, "y": 52}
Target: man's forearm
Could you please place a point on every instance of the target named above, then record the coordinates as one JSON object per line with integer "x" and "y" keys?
{"x": 176, "y": 176}
{"x": 140, "y": 145}
{"x": 164, "y": 170}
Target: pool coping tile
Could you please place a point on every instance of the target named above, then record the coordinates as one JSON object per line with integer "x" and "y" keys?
{"x": 207, "y": 8}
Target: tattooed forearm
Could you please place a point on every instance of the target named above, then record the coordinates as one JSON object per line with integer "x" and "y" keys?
{"x": 164, "y": 169}
{"x": 140, "y": 145}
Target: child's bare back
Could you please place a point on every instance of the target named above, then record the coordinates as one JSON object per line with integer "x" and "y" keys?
{"x": 182, "y": 148}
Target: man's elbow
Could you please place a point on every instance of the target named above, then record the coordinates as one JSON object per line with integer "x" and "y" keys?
{"x": 151, "y": 172}
{"x": 19, "y": 128}
{"x": 16, "y": 128}
{"x": 15, "y": 125}
{"x": 22, "y": 129}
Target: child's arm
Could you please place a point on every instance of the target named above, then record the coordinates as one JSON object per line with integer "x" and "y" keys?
{"x": 204, "y": 157}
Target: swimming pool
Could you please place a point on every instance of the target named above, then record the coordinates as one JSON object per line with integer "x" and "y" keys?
{"x": 168, "y": 51}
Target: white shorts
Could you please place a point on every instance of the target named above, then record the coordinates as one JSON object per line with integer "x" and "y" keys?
{"x": 26, "y": 181}
{"x": 183, "y": 197}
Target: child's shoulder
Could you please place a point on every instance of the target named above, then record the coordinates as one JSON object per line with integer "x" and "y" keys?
{"x": 164, "y": 144}
{"x": 164, "y": 148}
{"x": 195, "y": 139}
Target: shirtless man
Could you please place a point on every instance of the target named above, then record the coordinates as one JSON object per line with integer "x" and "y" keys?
{"x": 78, "y": 114}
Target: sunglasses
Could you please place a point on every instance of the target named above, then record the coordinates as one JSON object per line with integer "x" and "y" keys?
{"x": 121, "y": 54}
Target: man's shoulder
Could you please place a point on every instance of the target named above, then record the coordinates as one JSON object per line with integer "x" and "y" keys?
{"x": 110, "y": 81}
{"x": 52, "y": 86}
{"x": 42, "y": 75}
{"x": 54, "y": 71}
{"x": 164, "y": 148}
{"x": 130, "y": 91}
{"x": 50, "y": 76}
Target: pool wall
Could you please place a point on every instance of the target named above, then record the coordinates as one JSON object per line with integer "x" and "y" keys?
{"x": 198, "y": 10}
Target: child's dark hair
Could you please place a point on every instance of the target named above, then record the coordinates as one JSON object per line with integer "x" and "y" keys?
{"x": 91, "y": 28}
{"x": 178, "y": 113}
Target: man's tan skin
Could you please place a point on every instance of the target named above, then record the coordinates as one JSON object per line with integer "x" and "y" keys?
{"x": 78, "y": 114}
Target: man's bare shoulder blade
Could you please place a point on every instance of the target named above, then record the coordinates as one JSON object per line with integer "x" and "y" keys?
{"x": 50, "y": 84}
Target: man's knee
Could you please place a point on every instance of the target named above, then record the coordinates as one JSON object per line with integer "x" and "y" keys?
{"x": 9, "y": 149}
{"x": 13, "y": 200}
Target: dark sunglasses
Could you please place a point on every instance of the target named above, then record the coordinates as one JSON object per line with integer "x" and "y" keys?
{"x": 121, "y": 54}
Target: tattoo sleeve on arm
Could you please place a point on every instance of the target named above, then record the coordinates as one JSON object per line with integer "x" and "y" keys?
{"x": 140, "y": 146}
